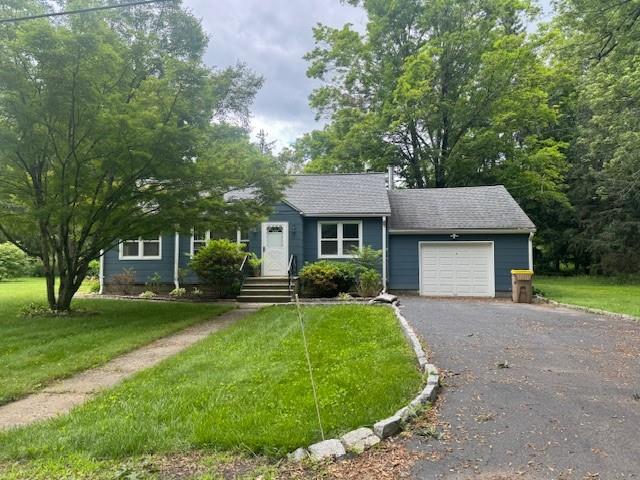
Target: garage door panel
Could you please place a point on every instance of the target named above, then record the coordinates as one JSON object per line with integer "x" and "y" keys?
{"x": 459, "y": 269}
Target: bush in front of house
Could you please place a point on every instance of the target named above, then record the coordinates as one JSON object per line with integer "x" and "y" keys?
{"x": 369, "y": 283}
{"x": 327, "y": 278}
{"x": 13, "y": 262}
{"x": 367, "y": 258}
{"x": 218, "y": 265}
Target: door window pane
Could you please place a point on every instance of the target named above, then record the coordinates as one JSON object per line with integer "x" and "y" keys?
{"x": 275, "y": 236}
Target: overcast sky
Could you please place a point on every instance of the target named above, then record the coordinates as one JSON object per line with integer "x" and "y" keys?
{"x": 271, "y": 36}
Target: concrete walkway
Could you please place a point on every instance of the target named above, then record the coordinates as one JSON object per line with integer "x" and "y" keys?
{"x": 63, "y": 395}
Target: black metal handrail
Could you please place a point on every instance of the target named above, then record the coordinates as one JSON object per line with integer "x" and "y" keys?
{"x": 292, "y": 269}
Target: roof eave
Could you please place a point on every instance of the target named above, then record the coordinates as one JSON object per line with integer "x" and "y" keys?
{"x": 343, "y": 214}
{"x": 468, "y": 231}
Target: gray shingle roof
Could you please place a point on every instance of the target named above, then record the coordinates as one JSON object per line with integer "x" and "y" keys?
{"x": 465, "y": 208}
{"x": 340, "y": 194}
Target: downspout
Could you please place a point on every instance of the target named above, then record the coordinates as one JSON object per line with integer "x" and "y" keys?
{"x": 101, "y": 276}
{"x": 531, "y": 251}
{"x": 176, "y": 260}
{"x": 384, "y": 254}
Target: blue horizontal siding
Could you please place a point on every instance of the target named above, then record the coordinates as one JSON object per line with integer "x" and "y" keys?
{"x": 371, "y": 234}
{"x": 143, "y": 268}
{"x": 510, "y": 251}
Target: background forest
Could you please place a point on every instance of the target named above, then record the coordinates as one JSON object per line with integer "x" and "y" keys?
{"x": 468, "y": 92}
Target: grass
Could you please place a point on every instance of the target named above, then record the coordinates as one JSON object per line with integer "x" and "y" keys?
{"x": 595, "y": 292}
{"x": 244, "y": 389}
{"x": 36, "y": 350}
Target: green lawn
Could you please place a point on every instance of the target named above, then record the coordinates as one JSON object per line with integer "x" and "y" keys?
{"x": 245, "y": 388}
{"x": 595, "y": 292}
{"x": 36, "y": 350}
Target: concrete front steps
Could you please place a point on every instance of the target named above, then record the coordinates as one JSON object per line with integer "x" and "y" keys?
{"x": 265, "y": 290}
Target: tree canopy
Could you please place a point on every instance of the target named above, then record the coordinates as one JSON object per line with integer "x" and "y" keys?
{"x": 462, "y": 93}
{"x": 111, "y": 127}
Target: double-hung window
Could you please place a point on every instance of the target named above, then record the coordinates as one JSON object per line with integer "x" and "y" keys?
{"x": 242, "y": 236}
{"x": 141, "y": 248}
{"x": 198, "y": 240}
{"x": 339, "y": 239}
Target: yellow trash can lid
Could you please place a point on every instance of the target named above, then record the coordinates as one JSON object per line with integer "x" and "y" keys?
{"x": 522, "y": 272}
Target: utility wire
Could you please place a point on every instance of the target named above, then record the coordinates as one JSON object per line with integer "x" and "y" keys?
{"x": 306, "y": 351}
{"x": 82, "y": 10}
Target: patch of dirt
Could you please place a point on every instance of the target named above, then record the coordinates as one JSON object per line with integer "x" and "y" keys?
{"x": 389, "y": 460}
{"x": 187, "y": 465}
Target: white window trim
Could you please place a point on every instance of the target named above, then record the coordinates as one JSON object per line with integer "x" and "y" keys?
{"x": 207, "y": 239}
{"x": 239, "y": 238}
{"x": 140, "y": 256}
{"x": 340, "y": 238}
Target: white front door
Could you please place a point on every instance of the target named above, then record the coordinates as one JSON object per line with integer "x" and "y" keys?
{"x": 462, "y": 269}
{"x": 275, "y": 249}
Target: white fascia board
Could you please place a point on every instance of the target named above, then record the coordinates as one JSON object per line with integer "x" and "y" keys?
{"x": 460, "y": 231}
{"x": 345, "y": 215}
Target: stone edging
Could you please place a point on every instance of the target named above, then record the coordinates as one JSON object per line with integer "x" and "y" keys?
{"x": 360, "y": 439}
{"x": 597, "y": 311}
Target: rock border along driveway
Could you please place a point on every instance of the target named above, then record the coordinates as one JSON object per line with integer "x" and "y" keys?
{"x": 63, "y": 395}
{"x": 360, "y": 439}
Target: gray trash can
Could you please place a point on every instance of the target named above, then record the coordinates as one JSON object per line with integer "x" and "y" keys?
{"x": 522, "y": 286}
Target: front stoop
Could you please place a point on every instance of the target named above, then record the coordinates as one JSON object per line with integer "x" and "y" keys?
{"x": 266, "y": 290}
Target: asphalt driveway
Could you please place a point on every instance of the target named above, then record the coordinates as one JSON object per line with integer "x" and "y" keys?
{"x": 566, "y": 407}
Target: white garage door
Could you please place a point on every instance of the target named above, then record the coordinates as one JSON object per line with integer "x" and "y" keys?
{"x": 463, "y": 269}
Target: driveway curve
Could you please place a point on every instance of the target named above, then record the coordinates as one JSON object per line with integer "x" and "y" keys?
{"x": 530, "y": 391}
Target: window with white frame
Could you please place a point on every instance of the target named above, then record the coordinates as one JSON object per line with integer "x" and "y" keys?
{"x": 198, "y": 240}
{"x": 141, "y": 248}
{"x": 339, "y": 239}
{"x": 242, "y": 236}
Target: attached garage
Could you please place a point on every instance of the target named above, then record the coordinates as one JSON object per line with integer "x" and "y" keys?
{"x": 457, "y": 269}
{"x": 457, "y": 241}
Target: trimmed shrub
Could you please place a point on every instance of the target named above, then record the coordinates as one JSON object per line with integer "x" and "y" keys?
{"x": 368, "y": 258}
{"x": 369, "y": 283}
{"x": 178, "y": 292}
{"x": 327, "y": 279}
{"x": 218, "y": 265}
{"x": 13, "y": 262}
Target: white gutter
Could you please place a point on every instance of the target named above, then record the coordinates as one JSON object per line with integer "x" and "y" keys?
{"x": 531, "y": 251}
{"x": 176, "y": 260}
{"x": 101, "y": 275}
{"x": 459, "y": 231}
{"x": 384, "y": 254}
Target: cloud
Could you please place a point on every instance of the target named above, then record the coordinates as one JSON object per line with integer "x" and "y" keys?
{"x": 271, "y": 37}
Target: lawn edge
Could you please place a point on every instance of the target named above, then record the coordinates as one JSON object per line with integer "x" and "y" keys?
{"x": 58, "y": 378}
{"x": 540, "y": 299}
{"x": 360, "y": 439}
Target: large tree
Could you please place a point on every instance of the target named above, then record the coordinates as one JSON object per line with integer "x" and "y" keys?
{"x": 597, "y": 46}
{"x": 450, "y": 92}
{"x": 112, "y": 127}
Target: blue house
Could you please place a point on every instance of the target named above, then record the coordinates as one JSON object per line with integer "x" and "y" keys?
{"x": 436, "y": 242}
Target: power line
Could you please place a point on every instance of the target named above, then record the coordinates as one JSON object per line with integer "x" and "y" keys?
{"x": 82, "y": 10}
